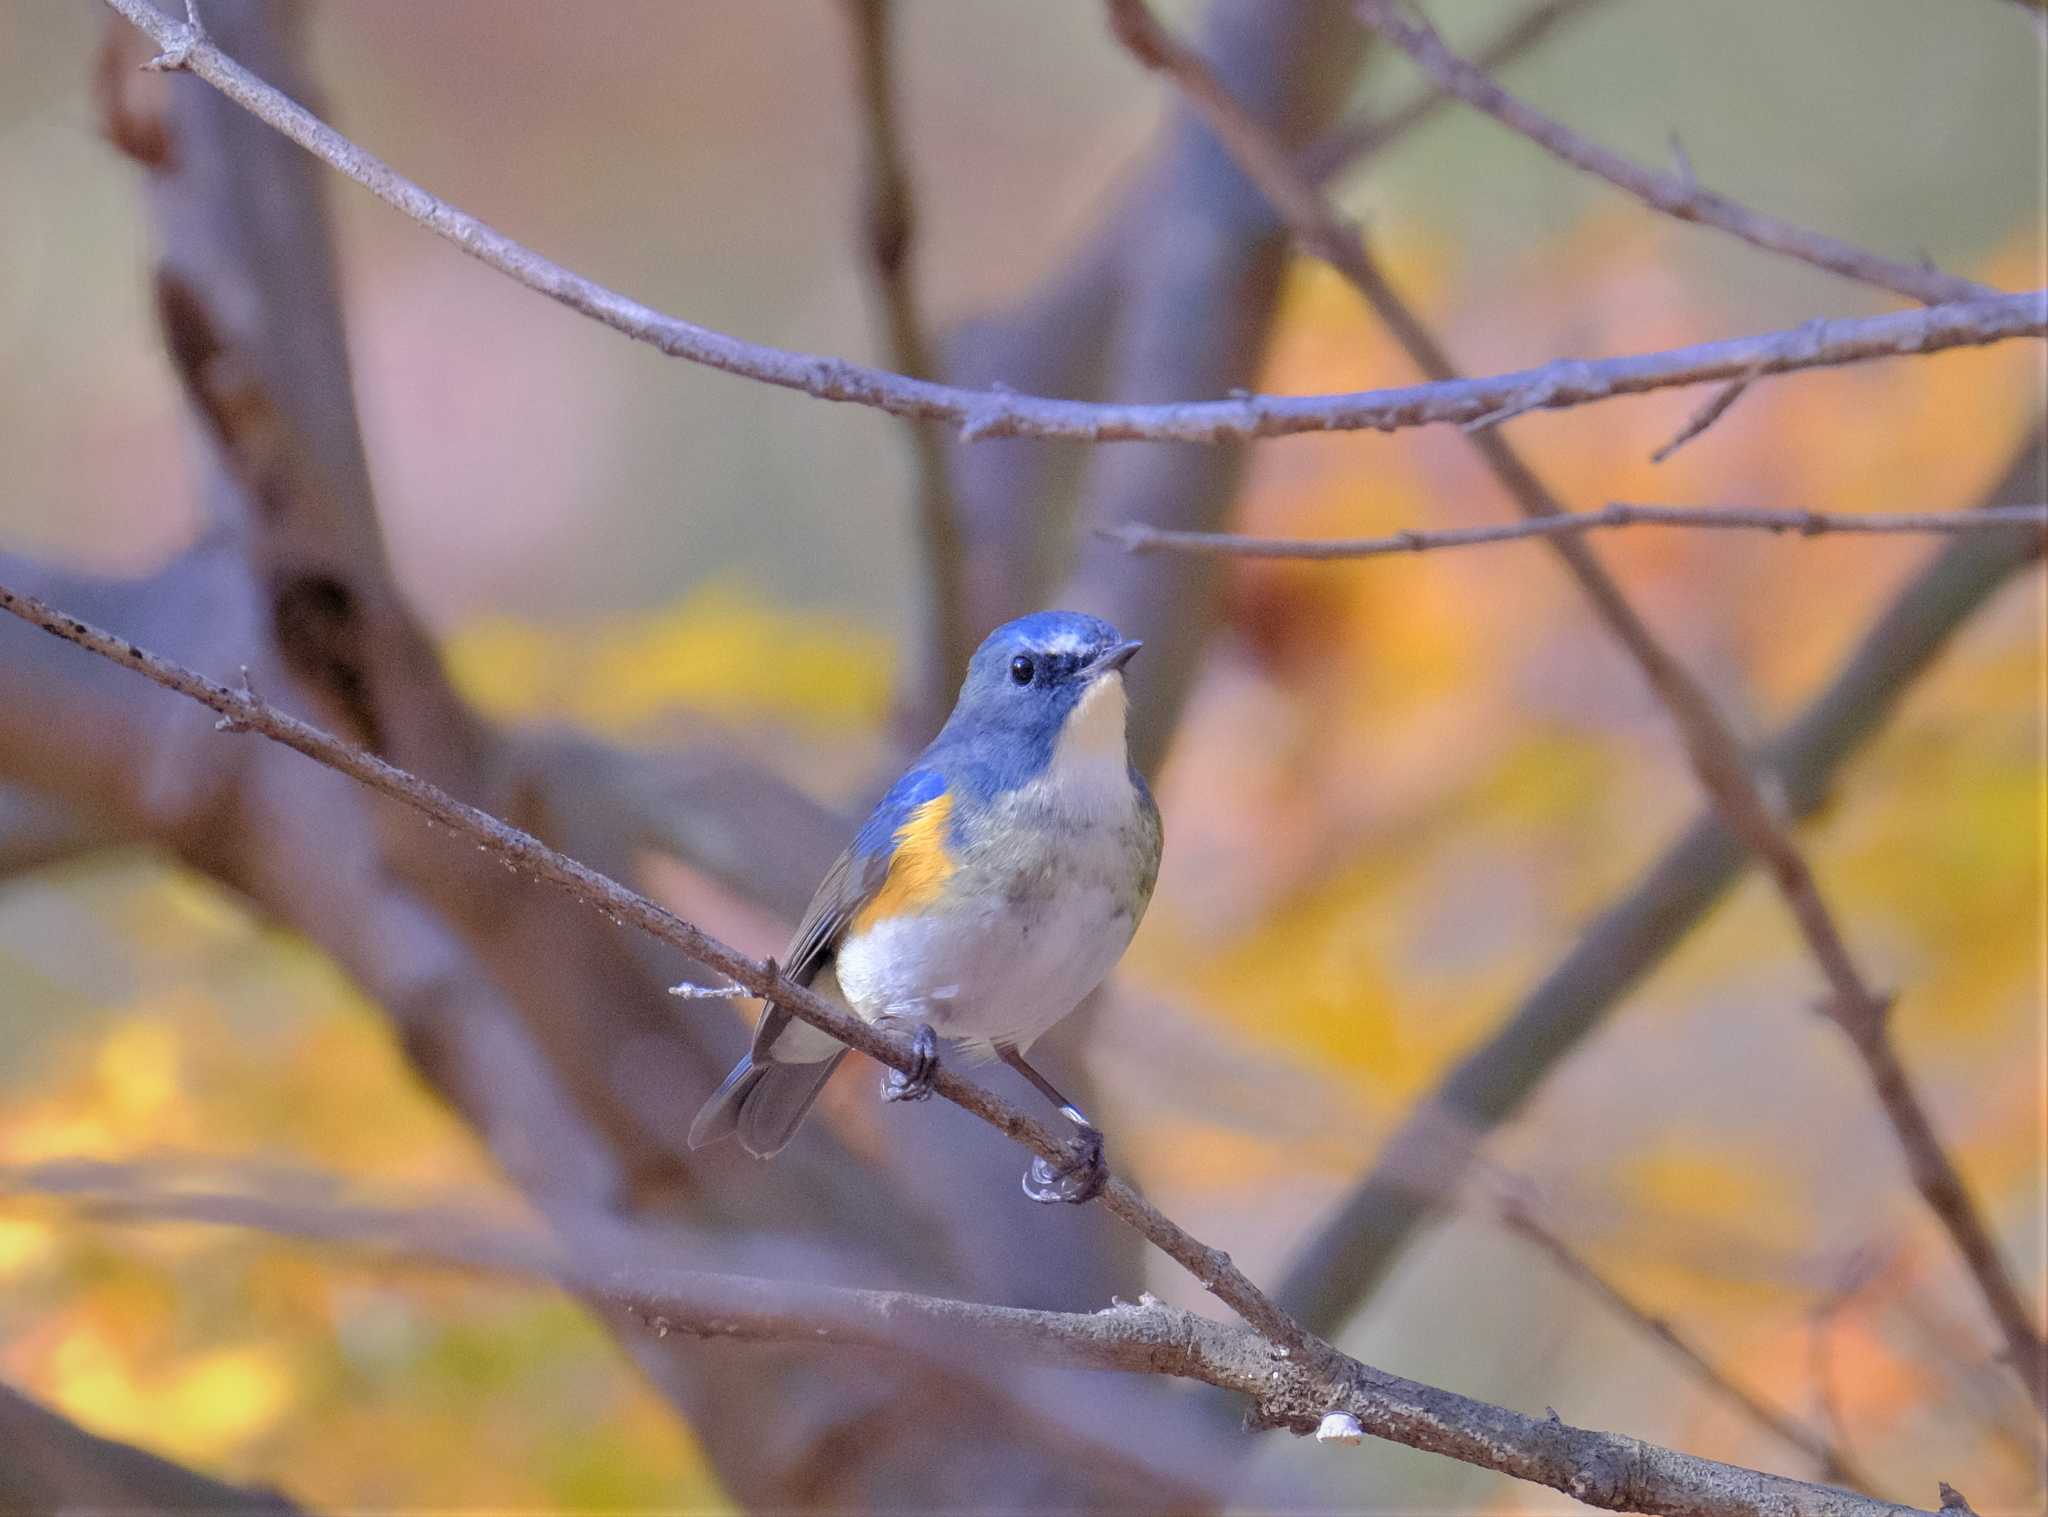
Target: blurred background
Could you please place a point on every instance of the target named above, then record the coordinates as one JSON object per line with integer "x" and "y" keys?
{"x": 1398, "y": 792}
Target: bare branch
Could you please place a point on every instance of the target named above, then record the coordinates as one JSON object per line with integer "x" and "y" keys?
{"x": 1148, "y": 1337}
{"x": 1940, "y": 1183}
{"x": 1293, "y": 65}
{"x": 1140, "y": 538}
{"x": 984, "y": 414}
{"x": 1348, "y": 1256}
{"x": 1366, "y": 136}
{"x": 1716, "y": 407}
{"x": 1674, "y": 194}
{"x": 1820, "y": 1328}
{"x": 1716, "y": 756}
{"x": 1017, "y": 494}
{"x": 1295, "y": 1377}
{"x": 528, "y": 854}
{"x": 1834, "y": 1462}
{"x": 889, "y": 211}
{"x": 54, "y": 1465}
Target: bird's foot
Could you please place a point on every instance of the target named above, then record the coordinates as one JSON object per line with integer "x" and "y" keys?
{"x": 1076, "y": 1178}
{"x": 916, "y": 1083}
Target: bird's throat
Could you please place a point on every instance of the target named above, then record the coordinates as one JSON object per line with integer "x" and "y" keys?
{"x": 1090, "y": 761}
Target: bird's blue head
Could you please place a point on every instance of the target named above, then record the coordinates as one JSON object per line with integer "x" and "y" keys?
{"x": 1046, "y": 684}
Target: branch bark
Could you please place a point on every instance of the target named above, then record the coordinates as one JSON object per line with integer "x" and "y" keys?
{"x": 1147, "y": 1337}
{"x": 1835, "y": 1464}
{"x": 1346, "y": 1258}
{"x": 241, "y": 711}
{"x": 1140, "y": 538}
{"x": 889, "y": 218}
{"x": 1675, "y": 195}
{"x": 1293, "y": 64}
{"x": 1715, "y": 753}
{"x": 1365, "y": 135}
{"x": 983, "y": 414}
{"x": 561, "y": 1047}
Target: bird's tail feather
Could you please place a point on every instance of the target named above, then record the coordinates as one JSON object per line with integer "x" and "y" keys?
{"x": 763, "y": 1104}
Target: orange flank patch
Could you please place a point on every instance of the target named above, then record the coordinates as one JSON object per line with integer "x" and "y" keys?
{"x": 920, "y": 868}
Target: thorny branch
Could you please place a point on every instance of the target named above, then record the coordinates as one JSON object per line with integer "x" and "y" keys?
{"x": 1716, "y": 755}
{"x": 1677, "y": 194}
{"x": 983, "y": 414}
{"x": 1140, "y": 538}
{"x": 1147, "y": 1337}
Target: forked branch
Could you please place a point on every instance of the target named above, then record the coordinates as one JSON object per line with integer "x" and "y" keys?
{"x": 1711, "y": 746}
{"x": 1295, "y": 1377}
{"x": 982, "y": 414}
{"x": 1676, "y": 194}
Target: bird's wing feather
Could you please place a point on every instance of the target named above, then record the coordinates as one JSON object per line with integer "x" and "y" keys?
{"x": 853, "y": 882}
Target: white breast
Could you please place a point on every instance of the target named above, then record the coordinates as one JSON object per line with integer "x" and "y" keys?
{"x": 1000, "y": 974}
{"x": 1022, "y": 952}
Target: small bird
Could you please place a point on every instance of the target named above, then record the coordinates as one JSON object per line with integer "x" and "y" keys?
{"x": 991, "y": 889}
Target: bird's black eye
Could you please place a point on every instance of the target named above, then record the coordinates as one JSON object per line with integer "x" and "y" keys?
{"x": 1021, "y": 669}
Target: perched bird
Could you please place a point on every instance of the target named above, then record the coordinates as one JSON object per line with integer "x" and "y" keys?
{"x": 992, "y": 888}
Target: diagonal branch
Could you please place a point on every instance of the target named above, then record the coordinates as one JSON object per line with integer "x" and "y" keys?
{"x": 1295, "y": 1377}
{"x": 889, "y": 215}
{"x": 241, "y": 711}
{"x": 1140, "y": 538}
{"x": 1364, "y": 136}
{"x": 992, "y": 413}
{"x": 1148, "y": 1337}
{"x": 1349, "y": 1255}
{"x": 54, "y": 1465}
{"x": 1835, "y": 1463}
{"x": 1674, "y": 194}
{"x": 1716, "y": 756}
{"x": 1292, "y": 65}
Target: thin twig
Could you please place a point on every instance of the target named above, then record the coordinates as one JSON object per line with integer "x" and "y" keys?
{"x": 1716, "y": 407}
{"x": 984, "y": 414}
{"x": 1349, "y": 1255}
{"x": 1820, "y": 1345}
{"x": 245, "y": 713}
{"x": 1674, "y": 194}
{"x": 1716, "y": 756}
{"x": 1144, "y": 1337}
{"x": 1365, "y": 136}
{"x": 1141, "y": 538}
{"x": 1835, "y": 1463}
{"x": 889, "y": 214}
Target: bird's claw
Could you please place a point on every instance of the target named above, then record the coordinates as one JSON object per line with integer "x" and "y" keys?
{"x": 916, "y": 1084}
{"x": 1078, "y": 1177}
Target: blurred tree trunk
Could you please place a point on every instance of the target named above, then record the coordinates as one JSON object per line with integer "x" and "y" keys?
{"x": 549, "y": 1029}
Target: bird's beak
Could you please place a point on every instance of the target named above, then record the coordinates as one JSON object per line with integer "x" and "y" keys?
{"x": 1116, "y": 657}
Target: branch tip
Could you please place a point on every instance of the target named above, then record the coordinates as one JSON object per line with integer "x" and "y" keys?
{"x": 177, "y": 55}
{"x": 1681, "y": 164}
{"x": 230, "y": 721}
